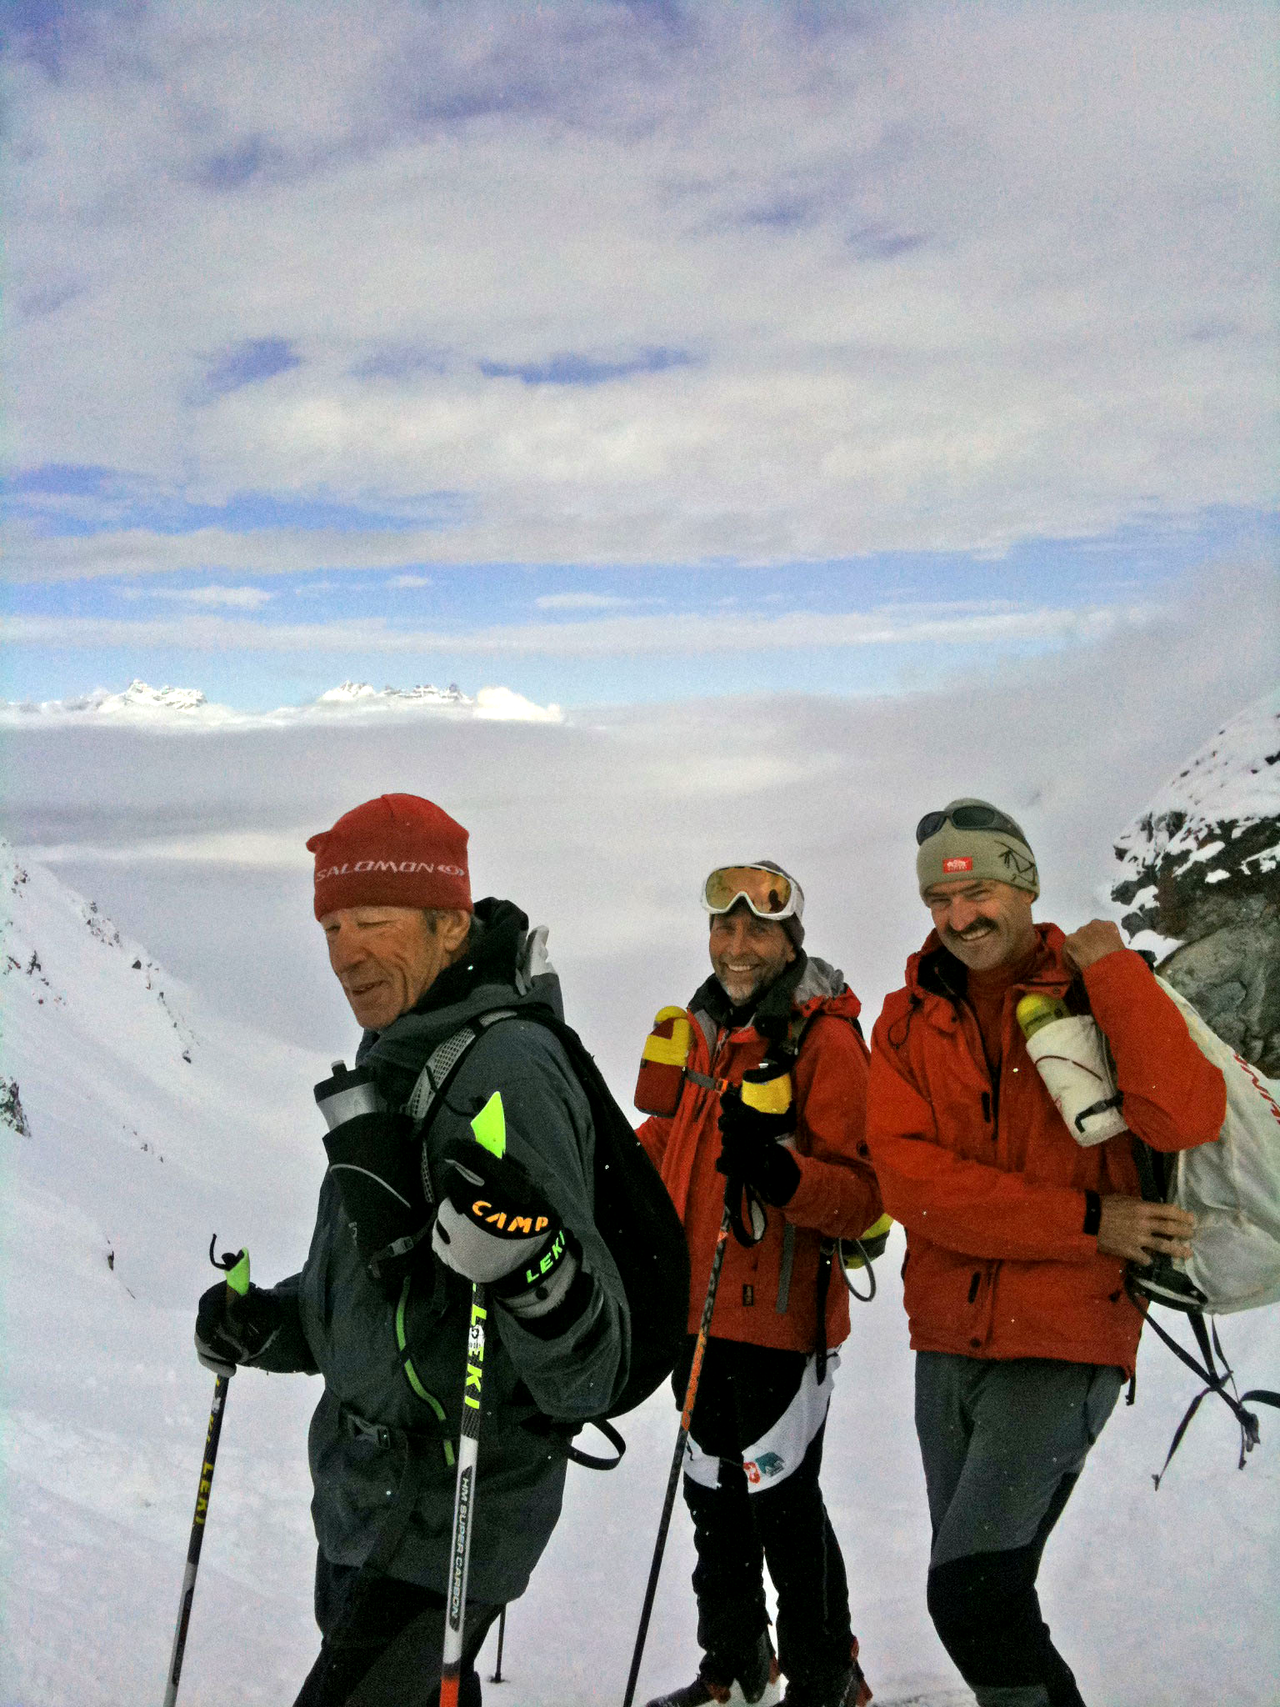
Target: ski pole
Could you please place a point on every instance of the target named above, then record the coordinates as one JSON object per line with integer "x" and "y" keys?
{"x": 464, "y": 1502}
{"x": 767, "y": 1088}
{"x": 677, "y": 1458}
{"x": 237, "y": 1268}
{"x": 502, "y": 1636}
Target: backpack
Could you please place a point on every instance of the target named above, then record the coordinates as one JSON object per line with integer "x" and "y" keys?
{"x": 1232, "y": 1186}
{"x": 634, "y": 1215}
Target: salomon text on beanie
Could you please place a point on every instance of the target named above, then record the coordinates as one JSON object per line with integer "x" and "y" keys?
{"x": 992, "y": 855}
{"x": 396, "y": 851}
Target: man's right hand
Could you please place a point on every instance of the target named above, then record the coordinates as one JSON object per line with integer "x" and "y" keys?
{"x": 227, "y": 1334}
{"x": 1140, "y": 1231}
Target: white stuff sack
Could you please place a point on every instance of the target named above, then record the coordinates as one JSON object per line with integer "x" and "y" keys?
{"x": 1072, "y": 1058}
{"x": 1232, "y": 1186}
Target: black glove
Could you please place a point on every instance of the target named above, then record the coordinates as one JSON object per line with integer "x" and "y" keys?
{"x": 750, "y": 1151}
{"x": 236, "y": 1330}
{"x": 494, "y": 1227}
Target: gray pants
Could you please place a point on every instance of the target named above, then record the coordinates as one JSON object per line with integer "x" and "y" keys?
{"x": 1002, "y": 1444}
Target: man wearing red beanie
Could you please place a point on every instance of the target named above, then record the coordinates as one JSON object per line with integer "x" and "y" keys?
{"x": 461, "y": 1150}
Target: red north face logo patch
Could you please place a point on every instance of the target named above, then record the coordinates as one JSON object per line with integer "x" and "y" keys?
{"x": 961, "y": 862}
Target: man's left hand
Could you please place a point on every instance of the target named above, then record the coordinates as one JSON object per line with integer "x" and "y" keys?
{"x": 494, "y": 1227}
{"x": 750, "y": 1150}
{"x": 1090, "y": 943}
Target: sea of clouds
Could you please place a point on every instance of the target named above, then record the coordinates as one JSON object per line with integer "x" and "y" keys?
{"x": 602, "y": 825}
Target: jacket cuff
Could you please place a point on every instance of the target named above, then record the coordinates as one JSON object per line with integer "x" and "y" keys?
{"x": 1113, "y": 980}
{"x": 565, "y": 1315}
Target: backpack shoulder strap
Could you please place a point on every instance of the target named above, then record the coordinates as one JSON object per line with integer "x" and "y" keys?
{"x": 707, "y": 1026}
{"x": 441, "y": 1068}
{"x": 444, "y": 1061}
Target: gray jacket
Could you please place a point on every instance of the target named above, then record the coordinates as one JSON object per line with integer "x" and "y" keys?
{"x": 341, "y": 1324}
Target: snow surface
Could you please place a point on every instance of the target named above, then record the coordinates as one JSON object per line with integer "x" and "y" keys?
{"x": 155, "y": 1122}
{"x": 187, "y": 708}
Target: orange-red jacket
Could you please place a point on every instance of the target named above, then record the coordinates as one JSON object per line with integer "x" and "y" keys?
{"x": 987, "y": 1179}
{"x": 758, "y": 1300}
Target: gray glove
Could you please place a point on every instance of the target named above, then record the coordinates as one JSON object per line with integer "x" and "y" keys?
{"x": 496, "y": 1229}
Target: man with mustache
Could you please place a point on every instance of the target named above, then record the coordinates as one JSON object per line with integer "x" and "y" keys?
{"x": 1017, "y": 1236}
{"x": 751, "y": 1475}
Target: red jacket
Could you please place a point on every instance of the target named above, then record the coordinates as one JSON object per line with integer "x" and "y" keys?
{"x": 837, "y": 1196}
{"x": 987, "y": 1179}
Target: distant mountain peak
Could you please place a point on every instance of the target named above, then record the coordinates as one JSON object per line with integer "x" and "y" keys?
{"x": 351, "y": 693}
{"x": 141, "y": 696}
{"x": 188, "y": 707}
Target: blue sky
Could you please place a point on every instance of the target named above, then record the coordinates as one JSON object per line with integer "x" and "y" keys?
{"x": 626, "y": 351}
{"x": 894, "y": 622}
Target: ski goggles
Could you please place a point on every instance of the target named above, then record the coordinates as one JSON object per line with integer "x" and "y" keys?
{"x": 769, "y": 894}
{"x": 976, "y": 817}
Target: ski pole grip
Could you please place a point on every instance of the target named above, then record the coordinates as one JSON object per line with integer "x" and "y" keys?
{"x": 767, "y": 1089}
{"x": 238, "y": 1278}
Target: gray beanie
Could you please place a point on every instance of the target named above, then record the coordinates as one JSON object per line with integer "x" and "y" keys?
{"x": 996, "y": 853}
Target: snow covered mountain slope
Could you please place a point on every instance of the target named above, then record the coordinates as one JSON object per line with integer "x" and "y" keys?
{"x": 136, "y": 1154}
{"x": 1201, "y": 881}
{"x": 150, "y": 1126}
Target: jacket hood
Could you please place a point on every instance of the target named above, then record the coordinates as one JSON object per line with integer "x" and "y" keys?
{"x": 505, "y": 966}
{"x": 934, "y": 971}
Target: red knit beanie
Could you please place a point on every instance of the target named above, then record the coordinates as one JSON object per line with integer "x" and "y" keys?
{"x": 395, "y": 851}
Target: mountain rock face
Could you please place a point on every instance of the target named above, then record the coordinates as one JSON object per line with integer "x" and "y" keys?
{"x": 1201, "y": 880}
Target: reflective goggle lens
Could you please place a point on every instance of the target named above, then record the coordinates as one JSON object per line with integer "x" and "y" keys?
{"x": 767, "y": 893}
{"x": 967, "y": 818}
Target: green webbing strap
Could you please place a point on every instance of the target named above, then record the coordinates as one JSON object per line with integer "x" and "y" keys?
{"x": 411, "y": 1374}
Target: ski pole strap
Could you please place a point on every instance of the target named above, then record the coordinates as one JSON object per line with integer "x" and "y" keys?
{"x": 746, "y": 1212}
{"x": 562, "y": 1435}
{"x": 1215, "y": 1381}
{"x": 867, "y": 1263}
{"x": 594, "y": 1461}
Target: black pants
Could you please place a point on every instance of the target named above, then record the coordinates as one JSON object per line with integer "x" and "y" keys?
{"x": 382, "y": 1642}
{"x": 739, "y": 1530}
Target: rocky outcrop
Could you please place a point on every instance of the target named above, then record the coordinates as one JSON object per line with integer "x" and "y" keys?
{"x": 12, "y": 1113}
{"x": 1201, "y": 882}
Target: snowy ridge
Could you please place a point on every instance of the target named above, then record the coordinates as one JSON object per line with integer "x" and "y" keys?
{"x": 349, "y": 693}
{"x": 1217, "y": 823}
{"x": 141, "y": 705}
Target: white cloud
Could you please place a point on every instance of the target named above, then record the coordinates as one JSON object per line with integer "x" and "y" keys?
{"x": 947, "y": 276}
{"x": 232, "y": 598}
{"x": 581, "y": 601}
{"x": 603, "y": 637}
{"x": 504, "y": 705}
{"x": 402, "y": 582}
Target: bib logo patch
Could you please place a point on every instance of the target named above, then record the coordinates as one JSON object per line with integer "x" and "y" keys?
{"x": 767, "y": 1464}
{"x": 961, "y": 862}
